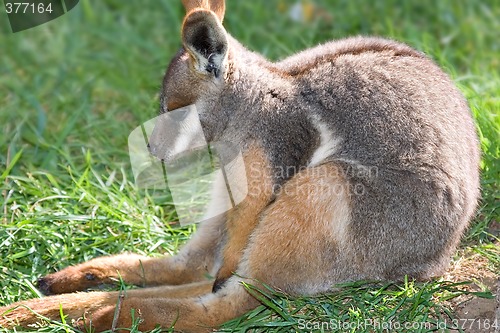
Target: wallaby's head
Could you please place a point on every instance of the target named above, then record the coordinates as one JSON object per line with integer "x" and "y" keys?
{"x": 196, "y": 73}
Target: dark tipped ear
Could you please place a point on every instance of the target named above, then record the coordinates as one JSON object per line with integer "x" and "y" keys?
{"x": 206, "y": 41}
{"x": 216, "y": 6}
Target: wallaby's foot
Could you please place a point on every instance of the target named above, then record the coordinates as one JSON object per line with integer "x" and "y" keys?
{"x": 195, "y": 262}
{"x": 69, "y": 280}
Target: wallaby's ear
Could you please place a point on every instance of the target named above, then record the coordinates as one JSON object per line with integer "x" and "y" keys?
{"x": 205, "y": 39}
{"x": 216, "y": 6}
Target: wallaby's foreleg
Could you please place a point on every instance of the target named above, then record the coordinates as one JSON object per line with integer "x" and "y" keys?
{"x": 194, "y": 262}
{"x": 242, "y": 220}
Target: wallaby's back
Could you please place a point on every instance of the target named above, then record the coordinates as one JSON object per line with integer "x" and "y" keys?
{"x": 405, "y": 139}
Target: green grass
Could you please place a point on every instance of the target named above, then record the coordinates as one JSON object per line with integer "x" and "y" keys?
{"x": 73, "y": 89}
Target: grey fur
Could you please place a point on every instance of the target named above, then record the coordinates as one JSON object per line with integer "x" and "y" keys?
{"x": 393, "y": 111}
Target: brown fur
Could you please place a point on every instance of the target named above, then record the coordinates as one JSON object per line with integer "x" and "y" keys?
{"x": 362, "y": 163}
{"x": 303, "y": 231}
{"x": 242, "y": 220}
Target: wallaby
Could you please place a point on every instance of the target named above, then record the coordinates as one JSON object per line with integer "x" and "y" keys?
{"x": 362, "y": 163}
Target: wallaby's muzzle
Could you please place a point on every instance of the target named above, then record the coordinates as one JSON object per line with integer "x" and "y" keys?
{"x": 176, "y": 132}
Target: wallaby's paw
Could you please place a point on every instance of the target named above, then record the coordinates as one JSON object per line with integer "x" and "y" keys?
{"x": 89, "y": 312}
{"x": 71, "y": 279}
{"x": 30, "y": 312}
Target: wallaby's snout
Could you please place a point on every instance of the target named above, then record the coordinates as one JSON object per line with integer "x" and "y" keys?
{"x": 176, "y": 132}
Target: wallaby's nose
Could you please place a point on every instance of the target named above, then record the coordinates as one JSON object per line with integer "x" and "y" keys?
{"x": 152, "y": 148}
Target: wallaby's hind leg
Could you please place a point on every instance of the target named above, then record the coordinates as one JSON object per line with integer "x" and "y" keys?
{"x": 191, "y": 307}
{"x": 196, "y": 314}
{"x": 195, "y": 262}
{"x": 299, "y": 245}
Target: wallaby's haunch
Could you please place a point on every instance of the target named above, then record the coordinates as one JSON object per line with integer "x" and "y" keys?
{"x": 362, "y": 163}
